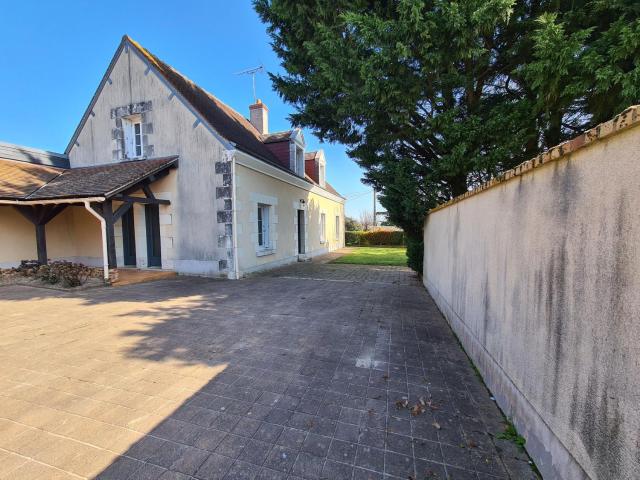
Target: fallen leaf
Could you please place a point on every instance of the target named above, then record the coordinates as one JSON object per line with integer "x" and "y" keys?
{"x": 436, "y": 425}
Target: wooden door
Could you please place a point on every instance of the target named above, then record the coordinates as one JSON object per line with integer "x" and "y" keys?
{"x": 152, "y": 215}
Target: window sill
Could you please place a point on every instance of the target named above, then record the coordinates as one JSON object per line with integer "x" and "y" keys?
{"x": 264, "y": 252}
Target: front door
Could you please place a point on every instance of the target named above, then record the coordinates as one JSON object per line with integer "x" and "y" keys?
{"x": 301, "y": 232}
{"x": 152, "y": 215}
{"x": 129, "y": 238}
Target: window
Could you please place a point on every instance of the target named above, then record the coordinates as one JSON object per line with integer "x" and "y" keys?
{"x": 137, "y": 138}
{"x": 263, "y": 226}
{"x": 337, "y": 227}
{"x": 133, "y": 138}
{"x": 323, "y": 228}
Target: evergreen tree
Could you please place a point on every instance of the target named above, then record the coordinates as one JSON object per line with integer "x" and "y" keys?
{"x": 433, "y": 97}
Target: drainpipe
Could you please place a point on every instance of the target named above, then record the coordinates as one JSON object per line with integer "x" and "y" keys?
{"x": 234, "y": 226}
{"x": 103, "y": 227}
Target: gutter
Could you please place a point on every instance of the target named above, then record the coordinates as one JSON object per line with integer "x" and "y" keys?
{"x": 234, "y": 228}
{"x": 50, "y": 202}
{"x": 103, "y": 228}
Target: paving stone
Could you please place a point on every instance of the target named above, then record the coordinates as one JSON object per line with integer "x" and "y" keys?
{"x": 308, "y": 466}
{"x": 242, "y": 471}
{"x": 316, "y": 445}
{"x": 232, "y": 445}
{"x": 292, "y": 438}
{"x": 430, "y": 470}
{"x": 255, "y": 452}
{"x": 281, "y": 459}
{"x": 268, "y": 474}
{"x": 347, "y": 432}
{"x": 268, "y": 432}
{"x": 344, "y": 452}
{"x": 398, "y": 465}
{"x": 362, "y": 474}
{"x": 215, "y": 467}
{"x": 337, "y": 471}
{"x": 191, "y": 367}
{"x": 370, "y": 458}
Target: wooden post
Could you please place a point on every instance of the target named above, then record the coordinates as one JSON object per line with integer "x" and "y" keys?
{"x": 41, "y": 244}
{"x": 40, "y": 215}
{"x": 107, "y": 213}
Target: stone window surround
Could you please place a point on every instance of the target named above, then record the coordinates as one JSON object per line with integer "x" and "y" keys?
{"x": 258, "y": 199}
{"x": 141, "y": 109}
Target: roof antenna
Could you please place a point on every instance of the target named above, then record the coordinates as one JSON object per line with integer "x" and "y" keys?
{"x": 252, "y": 72}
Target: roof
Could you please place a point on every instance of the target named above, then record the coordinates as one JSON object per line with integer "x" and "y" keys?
{"x": 33, "y": 155}
{"x": 27, "y": 181}
{"x": 284, "y": 136}
{"x": 225, "y": 120}
{"x": 19, "y": 179}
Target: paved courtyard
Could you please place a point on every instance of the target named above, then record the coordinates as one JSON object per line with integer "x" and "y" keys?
{"x": 315, "y": 371}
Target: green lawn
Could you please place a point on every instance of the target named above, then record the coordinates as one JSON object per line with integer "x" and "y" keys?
{"x": 375, "y": 256}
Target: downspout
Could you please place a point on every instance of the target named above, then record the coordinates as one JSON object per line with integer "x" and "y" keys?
{"x": 103, "y": 227}
{"x": 234, "y": 226}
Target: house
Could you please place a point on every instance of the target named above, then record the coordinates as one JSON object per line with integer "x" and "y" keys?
{"x": 161, "y": 174}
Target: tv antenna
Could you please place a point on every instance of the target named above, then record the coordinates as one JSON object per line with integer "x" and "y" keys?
{"x": 252, "y": 72}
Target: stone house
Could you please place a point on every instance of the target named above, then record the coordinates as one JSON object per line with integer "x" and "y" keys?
{"x": 161, "y": 174}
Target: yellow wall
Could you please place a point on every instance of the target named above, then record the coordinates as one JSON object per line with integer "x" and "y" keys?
{"x": 252, "y": 188}
{"x": 72, "y": 235}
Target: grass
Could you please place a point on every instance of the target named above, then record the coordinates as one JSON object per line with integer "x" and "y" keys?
{"x": 375, "y": 256}
{"x": 510, "y": 433}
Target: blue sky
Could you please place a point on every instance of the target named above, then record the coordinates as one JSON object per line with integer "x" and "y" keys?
{"x": 55, "y": 53}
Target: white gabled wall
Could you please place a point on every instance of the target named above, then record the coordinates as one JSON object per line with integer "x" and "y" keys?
{"x": 192, "y": 240}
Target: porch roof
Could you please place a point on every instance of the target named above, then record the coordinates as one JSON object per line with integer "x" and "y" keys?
{"x": 23, "y": 181}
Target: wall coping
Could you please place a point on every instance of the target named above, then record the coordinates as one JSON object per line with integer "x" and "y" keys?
{"x": 628, "y": 118}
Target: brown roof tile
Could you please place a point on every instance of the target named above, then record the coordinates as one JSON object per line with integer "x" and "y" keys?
{"x": 224, "y": 119}
{"x": 25, "y": 181}
{"x": 19, "y": 179}
{"x": 277, "y": 136}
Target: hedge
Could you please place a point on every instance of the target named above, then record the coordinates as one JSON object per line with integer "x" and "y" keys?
{"x": 379, "y": 237}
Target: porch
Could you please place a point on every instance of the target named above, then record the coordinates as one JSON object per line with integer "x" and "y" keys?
{"x": 85, "y": 215}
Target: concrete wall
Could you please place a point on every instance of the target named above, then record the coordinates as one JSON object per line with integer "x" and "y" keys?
{"x": 189, "y": 230}
{"x": 539, "y": 276}
{"x": 283, "y": 193}
{"x": 73, "y": 235}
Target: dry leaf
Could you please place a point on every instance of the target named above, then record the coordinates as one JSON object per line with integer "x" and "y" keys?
{"x": 436, "y": 425}
{"x": 416, "y": 410}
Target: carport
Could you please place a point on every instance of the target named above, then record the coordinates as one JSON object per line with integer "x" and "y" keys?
{"x": 41, "y": 192}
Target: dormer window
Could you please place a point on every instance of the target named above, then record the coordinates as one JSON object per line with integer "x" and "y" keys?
{"x": 133, "y": 138}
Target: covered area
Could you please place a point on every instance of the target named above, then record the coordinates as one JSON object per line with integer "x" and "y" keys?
{"x": 103, "y": 194}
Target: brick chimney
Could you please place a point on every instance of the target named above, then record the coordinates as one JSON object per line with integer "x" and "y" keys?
{"x": 259, "y": 117}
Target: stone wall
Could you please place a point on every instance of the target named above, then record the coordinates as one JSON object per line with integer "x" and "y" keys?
{"x": 538, "y": 273}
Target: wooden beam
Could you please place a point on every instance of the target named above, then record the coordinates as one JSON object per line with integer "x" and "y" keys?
{"x": 122, "y": 209}
{"x": 52, "y": 212}
{"x": 107, "y": 214}
{"x": 147, "y": 191}
{"x": 40, "y": 215}
{"x": 97, "y": 207}
{"x": 146, "y": 201}
{"x": 28, "y": 212}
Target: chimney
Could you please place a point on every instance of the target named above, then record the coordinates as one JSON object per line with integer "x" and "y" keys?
{"x": 259, "y": 116}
